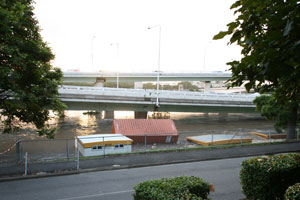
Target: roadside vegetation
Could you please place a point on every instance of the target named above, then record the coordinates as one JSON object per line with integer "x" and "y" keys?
{"x": 28, "y": 82}
{"x": 269, "y": 34}
{"x": 182, "y": 187}
{"x": 269, "y": 177}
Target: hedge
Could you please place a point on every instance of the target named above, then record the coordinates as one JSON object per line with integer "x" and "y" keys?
{"x": 268, "y": 177}
{"x": 182, "y": 187}
{"x": 293, "y": 192}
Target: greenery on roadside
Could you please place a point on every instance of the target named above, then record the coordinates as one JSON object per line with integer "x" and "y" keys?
{"x": 182, "y": 187}
{"x": 28, "y": 82}
{"x": 293, "y": 192}
{"x": 269, "y": 108}
{"x": 121, "y": 85}
{"x": 269, "y": 34}
{"x": 185, "y": 84}
{"x": 268, "y": 177}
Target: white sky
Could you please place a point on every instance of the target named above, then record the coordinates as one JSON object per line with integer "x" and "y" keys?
{"x": 187, "y": 29}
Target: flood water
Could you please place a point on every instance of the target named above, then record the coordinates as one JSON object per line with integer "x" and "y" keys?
{"x": 77, "y": 123}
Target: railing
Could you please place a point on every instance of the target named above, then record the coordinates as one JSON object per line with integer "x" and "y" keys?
{"x": 153, "y": 93}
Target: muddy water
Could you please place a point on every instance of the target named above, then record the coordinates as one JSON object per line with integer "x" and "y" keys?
{"x": 188, "y": 124}
{"x": 76, "y": 123}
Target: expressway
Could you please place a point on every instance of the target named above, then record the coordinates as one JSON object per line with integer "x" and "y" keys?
{"x": 110, "y": 99}
{"x": 92, "y": 77}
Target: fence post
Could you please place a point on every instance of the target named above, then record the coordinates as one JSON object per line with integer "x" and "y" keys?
{"x": 68, "y": 153}
{"x": 18, "y": 151}
{"x": 77, "y": 167}
{"x": 241, "y": 137}
{"x": 103, "y": 147}
{"x": 26, "y": 163}
{"x": 212, "y": 139}
{"x": 145, "y": 143}
{"x": 298, "y": 133}
{"x": 270, "y": 138}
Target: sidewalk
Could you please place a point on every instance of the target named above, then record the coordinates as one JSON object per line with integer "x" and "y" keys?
{"x": 143, "y": 159}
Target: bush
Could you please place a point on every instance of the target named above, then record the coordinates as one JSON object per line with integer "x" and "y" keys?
{"x": 183, "y": 187}
{"x": 293, "y": 192}
{"x": 269, "y": 177}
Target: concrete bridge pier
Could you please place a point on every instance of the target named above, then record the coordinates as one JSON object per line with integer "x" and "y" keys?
{"x": 109, "y": 114}
{"x": 100, "y": 115}
{"x": 99, "y": 82}
{"x": 140, "y": 115}
{"x": 207, "y": 86}
{"x": 138, "y": 85}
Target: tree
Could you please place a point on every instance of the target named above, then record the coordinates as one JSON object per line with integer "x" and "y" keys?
{"x": 269, "y": 33}
{"x": 269, "y": 108}
{"x": 28, "y": 82}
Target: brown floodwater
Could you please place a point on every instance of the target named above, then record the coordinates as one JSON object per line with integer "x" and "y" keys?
{"x": 77, "y": 123}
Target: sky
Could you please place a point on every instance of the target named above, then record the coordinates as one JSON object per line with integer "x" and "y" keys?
{"x": 113, "y": 35}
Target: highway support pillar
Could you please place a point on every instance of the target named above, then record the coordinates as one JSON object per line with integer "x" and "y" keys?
{"x": 99, "y": 82}
{"x": 138, "y": 85}
{"x": 207, "y": 86}
{"x": 109, "y": 115}
{"x": 140, "y": 115}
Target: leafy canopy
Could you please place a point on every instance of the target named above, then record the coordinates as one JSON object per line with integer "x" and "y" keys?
{"x": 28, "y": 82}
{"x": 269, "y": 33}
{"x": 269, "y": 108}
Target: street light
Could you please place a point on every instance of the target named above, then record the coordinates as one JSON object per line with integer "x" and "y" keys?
{"x": 92, "y": 51}
{"x": 158, "y": 60}
{"x": 118, "y": 49}
{"x": 205, "y": 52}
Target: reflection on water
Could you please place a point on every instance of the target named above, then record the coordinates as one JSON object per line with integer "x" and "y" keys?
{"x": 76, "y": 123}
{"x": 124, "y": 115}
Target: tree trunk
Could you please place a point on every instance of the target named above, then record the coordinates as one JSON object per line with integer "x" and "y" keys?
{"x": 292, "y": 123}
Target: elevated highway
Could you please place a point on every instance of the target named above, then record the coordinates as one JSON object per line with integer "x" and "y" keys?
{"x": 110, "y": 99}
{"x": 92, "y": 77}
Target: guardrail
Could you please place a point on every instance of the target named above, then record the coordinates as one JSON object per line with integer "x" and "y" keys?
{"x": 153, "y": 94}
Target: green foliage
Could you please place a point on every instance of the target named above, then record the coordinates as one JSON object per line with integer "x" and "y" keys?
{"x": 272, "y": 110}
{"x": 183, "y": 187}
{"x": 269, "y": 33}
{"x": 268, "y": 177}
{"x": 188, "y": 86}
{"x": 28, "y": 83}
{"x": 293, "y": 192}
{"x": 121, "y": 85}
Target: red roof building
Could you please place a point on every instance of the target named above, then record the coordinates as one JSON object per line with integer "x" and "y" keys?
{"x": 153, "y": 130}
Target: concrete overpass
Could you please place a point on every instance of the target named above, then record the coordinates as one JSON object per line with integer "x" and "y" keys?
{"x": 111, "y": 99}
{"x": 98, "y": 78}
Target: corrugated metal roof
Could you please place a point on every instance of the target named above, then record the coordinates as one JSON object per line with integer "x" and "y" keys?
{"x": 144, "y": 126}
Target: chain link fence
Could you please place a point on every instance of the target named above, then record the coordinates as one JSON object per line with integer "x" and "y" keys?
{"x": 27, "y": 152}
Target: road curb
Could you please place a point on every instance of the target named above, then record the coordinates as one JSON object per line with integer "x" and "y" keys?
{"x": 216, "y": 156}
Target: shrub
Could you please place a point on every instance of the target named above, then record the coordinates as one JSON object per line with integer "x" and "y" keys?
{"x": 183, "y": 187}
{"x": 268, "y": 177}
{"x": 293, "y": 192}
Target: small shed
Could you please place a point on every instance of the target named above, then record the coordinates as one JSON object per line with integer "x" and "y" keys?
{"x": 147, "y": 130}
{"x": 102, "y": 144}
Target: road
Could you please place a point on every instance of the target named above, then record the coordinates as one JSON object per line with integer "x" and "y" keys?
{"x": 118, "y": 184}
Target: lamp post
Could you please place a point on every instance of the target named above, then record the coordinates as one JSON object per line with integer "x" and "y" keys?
{"x": 205, "y": 52}
{"x": 158, "y": 61}
{"x": 118, "y": 50}
{"x": 92, "y": 51}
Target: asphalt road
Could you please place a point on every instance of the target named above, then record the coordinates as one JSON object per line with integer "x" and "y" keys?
{"x": 118, "y": 184}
